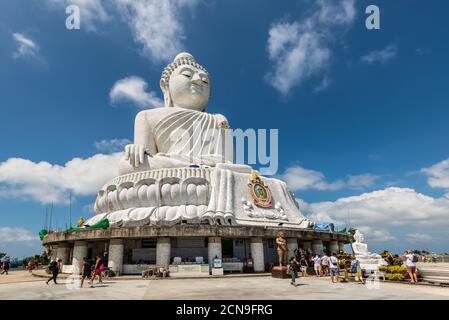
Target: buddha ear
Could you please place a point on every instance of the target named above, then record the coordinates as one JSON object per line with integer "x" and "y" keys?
{"x": 167, "y": 99}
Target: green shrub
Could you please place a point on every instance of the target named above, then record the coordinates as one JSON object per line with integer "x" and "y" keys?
{"x": 393, "y": 269}
{"x": 395, "y": 276}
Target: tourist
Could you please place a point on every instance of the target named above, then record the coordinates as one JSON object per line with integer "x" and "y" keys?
{"x": 356, "y": 270}
{"x": 30, "y": 266}
{"x": 55, "y": 267}
{"x": 85, "y": 271}
{"x": 292, "y": 269}
{"x": 304, "y": 265}
{"x": 5, "y": 264}
{"x": 411, "y": 266}
{"x": 5, "y": 267}
{"x": 333, "y": 266}
{"x": 98, "y": 269}
{"x": 317, "y": 265}
{"x": 325, "y": 265}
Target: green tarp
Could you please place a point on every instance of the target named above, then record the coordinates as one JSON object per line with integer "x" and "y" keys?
{"x": 42, "y": 234}
{"x": 102, "y": 224}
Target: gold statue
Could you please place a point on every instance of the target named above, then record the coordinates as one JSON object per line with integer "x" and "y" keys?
{"x": 281, "y": 248}
{"x": 80, "y": 222}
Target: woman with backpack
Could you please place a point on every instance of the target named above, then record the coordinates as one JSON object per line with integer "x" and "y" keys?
{"x": 55, "y": 267}
{"x": 411, "y": 266}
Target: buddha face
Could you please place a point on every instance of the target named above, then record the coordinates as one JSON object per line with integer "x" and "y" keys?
{"x": 189, "y": 88}
{"x": 358, "y": 236}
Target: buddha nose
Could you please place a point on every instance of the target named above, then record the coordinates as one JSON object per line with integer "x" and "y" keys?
{"x": 196, "y": 79}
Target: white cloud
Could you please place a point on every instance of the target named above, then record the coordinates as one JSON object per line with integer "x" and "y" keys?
{"x": 301, "y": 49}
{"x": 380, "y": 56}
{"x": 418, "y": 237}
{"x": 361, "y": 181}
{"x": 382, "y": 214}
{"x": 377, "y": 235}
{"x": 134, "y": 89}
{"x": 156, "y": 25}
{"x": 11, "y": 234}
{"x": 25, "y": 46}
{"x": 299, "y": 178}
{"x": 46, "y": 183}
{"x": 112, "y": 145}
{"x": 438, "y": 174}
{"x": 391, "y": 206}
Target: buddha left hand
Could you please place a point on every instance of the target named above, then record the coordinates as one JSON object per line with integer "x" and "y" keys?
{"x": 135, "y": 154}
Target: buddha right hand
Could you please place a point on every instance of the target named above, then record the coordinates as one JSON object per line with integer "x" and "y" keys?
{"x": 135, "y": 154}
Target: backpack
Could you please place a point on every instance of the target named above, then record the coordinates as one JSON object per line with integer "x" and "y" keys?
{"x": 52, "y": 266}
{"x": 415, "y": 258}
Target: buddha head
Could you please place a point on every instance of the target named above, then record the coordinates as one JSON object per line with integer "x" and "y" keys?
{"x": 185, "y": 83}
{"x": 358, "y": 236}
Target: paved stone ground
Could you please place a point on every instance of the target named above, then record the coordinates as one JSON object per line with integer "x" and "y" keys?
{"x": 17, "y": 276}
{"x": 219, "y": 288}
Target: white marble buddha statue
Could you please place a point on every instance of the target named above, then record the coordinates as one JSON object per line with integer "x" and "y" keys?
{"x": 180, "y": 167}
{"x": 181, "y": 133}
{"x": 362, "y": 254}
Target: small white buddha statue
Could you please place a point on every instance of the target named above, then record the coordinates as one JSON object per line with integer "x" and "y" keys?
{"x": 181, "y": 133}
{"x": 363, "y": 255}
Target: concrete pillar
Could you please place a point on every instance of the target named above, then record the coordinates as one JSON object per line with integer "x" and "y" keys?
{"x": 163, "y": 252}
{"x": 307, "y": 245}
{"x": 213, "y": 249}
{"x": 317, "y": 246}
{"x": 63, "y": 252}
{"x": 292, "y": 245}
{"x": 257, "y": 254}
{"x": 341, "y": 245}
{"x": 115, "y": 255}
{"x": 333, "y": 246}
{"x": 54, "y": 252}
{"x": 79, "y": 252}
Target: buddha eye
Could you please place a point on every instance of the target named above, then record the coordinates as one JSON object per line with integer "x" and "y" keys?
{"x": 186, "y": 73}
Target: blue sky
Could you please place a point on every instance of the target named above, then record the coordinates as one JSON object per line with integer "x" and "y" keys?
{"x": 362, "y": 114}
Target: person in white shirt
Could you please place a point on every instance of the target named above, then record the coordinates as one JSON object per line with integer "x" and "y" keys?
{"x": 317, "y": 265}
{"x": 325, "y": 265}
{"x": 411, "y": 266}
{"x": 333, "y": 266}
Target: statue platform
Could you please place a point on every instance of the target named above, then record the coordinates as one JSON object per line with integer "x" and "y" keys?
{"x": 214, "y": 195}
{"x": 280, "y": 272}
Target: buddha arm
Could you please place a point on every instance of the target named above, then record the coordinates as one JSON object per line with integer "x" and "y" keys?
{"x": 143, "y": 133}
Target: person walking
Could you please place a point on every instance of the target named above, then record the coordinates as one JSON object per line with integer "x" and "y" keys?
{"x": 55, "y": 267}
{"x": 304, "y": 265}
{"x": 325, "y": 265}
{"x": 5, "y": 267}
{"x": 411, "y": 266}
{"x": 292, "y": 269}
{"x": 98, "y": 269}
{"x": 333, "y": 266}
{"x": 356, "y": 270}
{"x": 85, "y": 271}
{"x": 317, "y": 265}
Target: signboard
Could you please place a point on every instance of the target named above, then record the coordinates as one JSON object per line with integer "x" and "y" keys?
{"x": 189, "y": 268}
{"x": 217, "y": 263}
